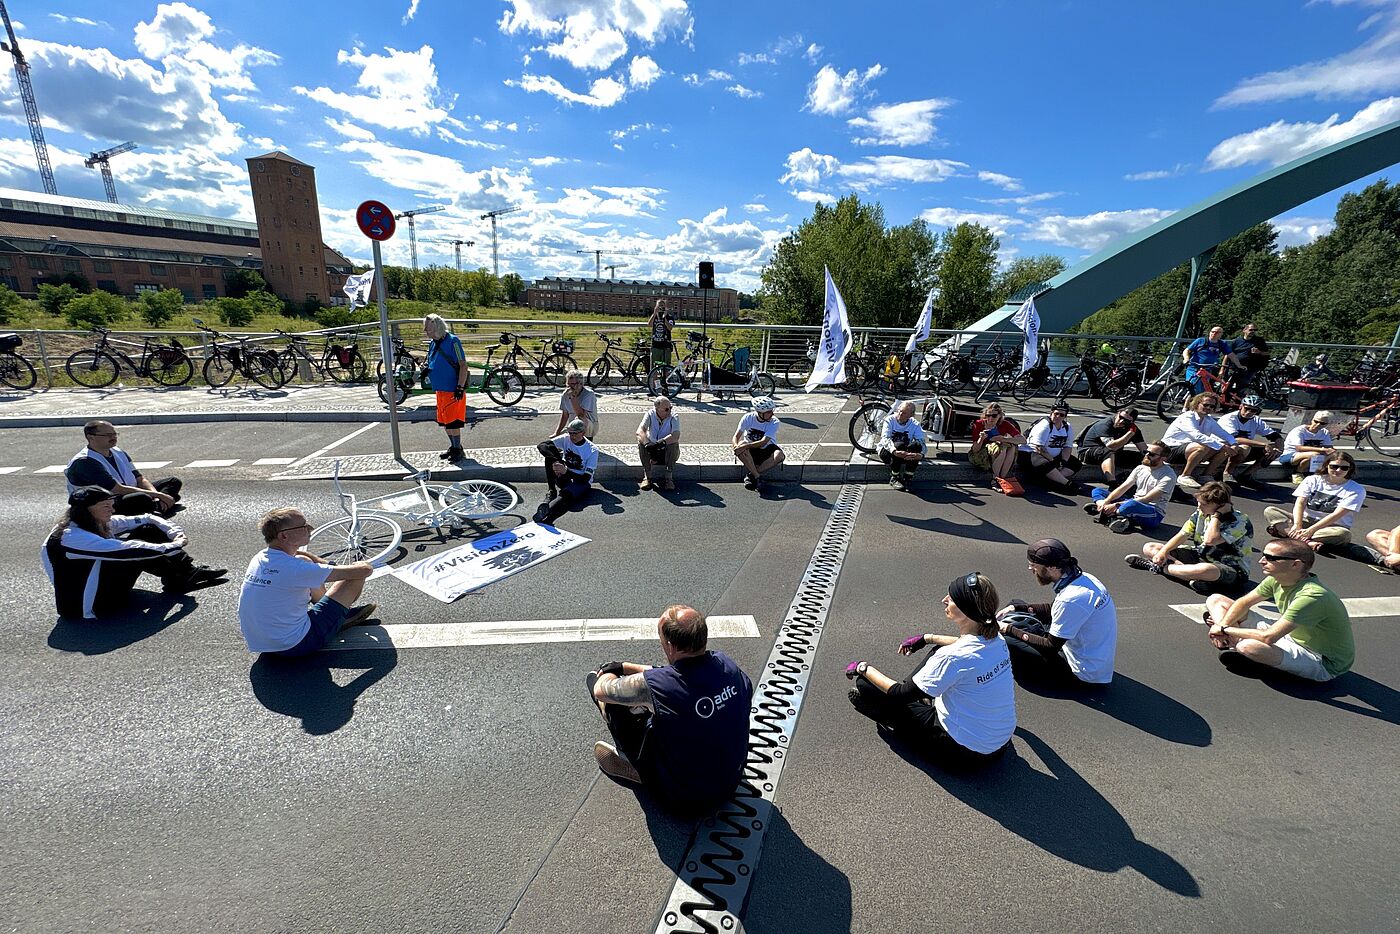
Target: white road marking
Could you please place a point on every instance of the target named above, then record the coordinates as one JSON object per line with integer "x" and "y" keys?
{"x": 10, "y": 469}
{"x": 1357, "y": 608}
{"x": 335, "y": 444}
{"x": 149, "y": 465}
{"x": 516, "y": 632}
{"x": 273, "y": 461}
{"x": 55, "y": 468}
{"x": 211, "y": 463}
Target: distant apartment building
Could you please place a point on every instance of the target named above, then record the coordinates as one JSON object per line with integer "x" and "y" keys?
{"x": 632, "y": 298}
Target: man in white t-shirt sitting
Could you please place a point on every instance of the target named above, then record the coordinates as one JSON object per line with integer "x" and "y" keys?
{"x": 901, "y": 444}
{"x": 291, "y": 603}
{"x": 1151, "y": 484}
{"x": 1256, "y": 442}
{"x": 1195, "y": 438}
{"x": 755, "y": 442}
{"x": 1307, "y": 446}
{"x": 570, "y": 461}
{"x": 1073, "y": 638}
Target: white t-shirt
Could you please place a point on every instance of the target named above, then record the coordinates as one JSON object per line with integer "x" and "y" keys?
{"x": 579, "y": 458}
{"x": 910, "y": 432}
{"x": 1301, "y": 435}
{"x": 1197, "y": 428}
{"x": 1084, "y": 616}
{"x": 751, "y": 429}
{"x": 1250, "y": 428}
{"x": 973, "y": 691}
{"x": 1046, "y": 435}
{"x": 1322, "y": 498}
{"x": 1145, "y": 480}
{"x": 272, "y": 604}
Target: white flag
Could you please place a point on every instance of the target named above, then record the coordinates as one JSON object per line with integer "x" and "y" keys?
{"x": 1028, "y": 320}
{"x": 357, "y": 288}
{"x": 925, "y": 325}
{"x": 830, "y": 366}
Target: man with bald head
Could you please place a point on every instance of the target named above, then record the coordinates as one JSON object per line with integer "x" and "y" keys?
{"x": 680, "y": 729}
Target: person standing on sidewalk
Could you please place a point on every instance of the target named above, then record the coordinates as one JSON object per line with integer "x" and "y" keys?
{"x": 447, "y": 374}
{"x": 661, "y": 323}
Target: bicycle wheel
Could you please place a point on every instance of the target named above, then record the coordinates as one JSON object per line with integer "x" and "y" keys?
{"x": 504, "y": 385}
{"x": 666, "y": 381}
{"x": 1173, "y": 399}
{"x": 1028, "y": 384}
{"x": 797, "y": 372}
{"x": 265, "y": 368}
{"x": 763, "y": 384}
{"x": 866, "y": 426}
{"x": 1073, "y": 382}
{"x": 218, "y": 370}
{"x": 170, "y": 367}
{"x": 92, "y": 368}
{"x": 17, "y": 372}
{"x": 400, "y": 391}
{"x": 555, "y": 368}
{"x": 1384, "y": 435}
{"x": 349, "y": 368}
{"x": 478, "y": 499}
{"x": 1121, "y": 390}
{"x": 599, "y": 372}
{"x": 346, "y": 541}
{"x": 858, "y": 376}
{"x": 637, "y": 371}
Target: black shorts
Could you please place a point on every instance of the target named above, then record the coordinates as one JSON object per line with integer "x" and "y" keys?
{"x": 1123, "y": 458}
{"x": 760, "y": 455}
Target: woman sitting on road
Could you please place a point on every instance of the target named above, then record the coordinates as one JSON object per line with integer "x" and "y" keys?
{"x": 1211, "y": 552}
{"x": 1325, "y": 505}
{"x": 959, "y": 704}
{"x": 659, "y": 443}
{"x": 994, "y": 441}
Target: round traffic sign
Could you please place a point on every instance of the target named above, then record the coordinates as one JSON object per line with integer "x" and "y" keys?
{"x": 376, "y": 220}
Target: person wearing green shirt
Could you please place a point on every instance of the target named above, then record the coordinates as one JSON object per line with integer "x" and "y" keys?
{"x": 1312, "y": 636}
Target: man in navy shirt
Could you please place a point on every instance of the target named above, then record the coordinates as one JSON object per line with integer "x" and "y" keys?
{"x": 102, "y": 463}
{"x": 681, "y": 730}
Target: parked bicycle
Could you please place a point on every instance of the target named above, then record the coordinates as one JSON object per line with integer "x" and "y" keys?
{"x": 234, "y": 357}
{"x": 1174, "y": 397}
{"x": 697, "y": 371}
{"x": 342, "y": 363}
{"x": 550, "y": 363}
{"x": 800, "y": 370}
{"x": 610, "y": 364}
{"x": 1377, "y": 424}
{"x": 99, "y": 366}
{"x": 15, "y": 371}
{"x": 503, "y": 384}
{"x": 1115, "y": 382}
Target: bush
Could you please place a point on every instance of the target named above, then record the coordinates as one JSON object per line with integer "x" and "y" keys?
{"x": 9, "y": 305}
{"x": 242, "y": 282}
{"x": 95, "y": 309}
{"x": 54, "y": 298}
{"x": 264, "y": 303}
{"x": 233, "y": 312}
{"x": 159, "y": 307}
{"x": 338, "y": 316}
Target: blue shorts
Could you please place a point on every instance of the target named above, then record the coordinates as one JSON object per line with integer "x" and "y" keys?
{"x": 326, "y": 617}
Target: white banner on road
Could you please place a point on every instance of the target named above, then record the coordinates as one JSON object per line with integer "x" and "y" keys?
{"x": 1028, "y": 320}
{"x": 830, "y": 366}
{"x": 925, "y": 325}
{"x": 357, "y": 288}
{"x": 470, "y": 567}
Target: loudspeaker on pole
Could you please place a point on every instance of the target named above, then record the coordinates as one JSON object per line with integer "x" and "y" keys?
{"x": 707, "y": 274}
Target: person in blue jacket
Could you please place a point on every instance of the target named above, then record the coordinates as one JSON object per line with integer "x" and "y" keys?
{"x": 447, "y": 374}
{"x": 1204, "y": 353}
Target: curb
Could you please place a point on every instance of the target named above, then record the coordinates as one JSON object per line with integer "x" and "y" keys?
{"x": 202, "y": 418}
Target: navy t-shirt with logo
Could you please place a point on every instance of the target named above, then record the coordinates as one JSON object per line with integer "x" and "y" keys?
{"x": 699, "y": 735}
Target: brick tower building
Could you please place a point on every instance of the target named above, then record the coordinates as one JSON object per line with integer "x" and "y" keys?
{"x": 289, "y": 226}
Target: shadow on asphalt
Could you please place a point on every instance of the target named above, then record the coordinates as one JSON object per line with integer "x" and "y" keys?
{"x": 146, "y": 614}
{"x": 1352, "y": 692}
{"x": 794, "y": 889}
{"x": 1059, "y": 812}
{"x": 786, "y": 492}
{"x": 1127, "y": 701}
{"x": 303, "y": 688}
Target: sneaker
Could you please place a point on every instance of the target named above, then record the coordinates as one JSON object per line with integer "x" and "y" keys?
{"x": 1276, "y": 530}
{"x": 198, "y": 579}
{"x": 1092, "y": 509}
{"x": 1229, "y": 478}
{"x": 1189, "y": 484}
{"x": 669, "y": 484}
{"x": 359, "y": 615}
{"x": 1121, "y": 525}
{"x": 612, "y": 764}
{"x": 542, "y": 514}
{"x": 1138, "y": 562}
{"x": 446, "y": 455}
{"x": 646, "y": 481}
{"x": 894, "y": 480}
{"x": 750, "y": 481}
{"x": 1299, "y": 477}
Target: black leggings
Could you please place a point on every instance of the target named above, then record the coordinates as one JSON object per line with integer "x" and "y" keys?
{"x": 903, "y": 467}
{"x": 139, "y": 504}
{"x": 1045, "y": 660}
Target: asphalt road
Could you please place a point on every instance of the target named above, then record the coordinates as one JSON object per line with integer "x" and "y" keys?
{"x": 159, "y": 777}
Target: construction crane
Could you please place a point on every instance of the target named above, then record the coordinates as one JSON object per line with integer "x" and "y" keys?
{"x": 31, "y": 108}
{"x": 495, "y": 252}
{"x": 599, "y": 254}
{"x": 614, "y": 267}
{"x": 99, "y": 160}
{"x": 412, "y": 236}
{"x": 456, "y": 247}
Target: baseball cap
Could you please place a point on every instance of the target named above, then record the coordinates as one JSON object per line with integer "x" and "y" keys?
{"x": 85, "y": 496}
{"x": 577, "y": 424}
{"x": 1050, "y": 552}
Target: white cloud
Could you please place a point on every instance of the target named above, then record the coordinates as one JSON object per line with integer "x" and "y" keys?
{"x": 643, "y": 71}
{"x": 714, "y": 74}
{"x": 593, "y": 34}
{"x": 412, "y": 12}
{"x": 808, "y": 168}
{"x": 397, "y": 90}
{"x": 833, "y": 93}
{"x": 79, "y": 20}
{"x": 908, "y": 123}
{"x": 545, "y": 162}
{"x": 601, "y": 93}
{"x": 1279, "y": 142}
{"x": 1022, "y": 200}
{"x": 756, "y": 208}
{"x": 614, "y": 201}
{"x": 777, "y": 51}
{"x": 178, "y": 37}
{"x": 740, "y": 91}
{"x": 439, "y": 178}
{"x": 999, "y": 224}
{"x": 1091, "y": 231}
{"x": 445, "y": 134}
{"x": 813, "y": 53}
{"x": 350, "y": 130}
{"x": 1153, "y": 175}
{"x": 1300, "y": 231}
{"x": 814, "y": 197}
{"x": 1005, "y": 182}
{"x": 1371, "y": 68}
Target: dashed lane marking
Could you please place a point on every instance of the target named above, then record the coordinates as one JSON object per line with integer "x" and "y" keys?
{"x": 150, "y": 465}
{"x": 53, "y": 468}
{"x": 516, "y": 632}
{"x": 273, "y": 461}
{"x": 10, "y": 469}
{"x": 335, "y": 444}
{"x": 1357, "y": 608}
{"x": 225, "y": 462}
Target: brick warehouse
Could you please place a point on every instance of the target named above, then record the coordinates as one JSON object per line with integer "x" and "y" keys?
{"x": 129, "y": 250}
{"x": 632, "y": 298}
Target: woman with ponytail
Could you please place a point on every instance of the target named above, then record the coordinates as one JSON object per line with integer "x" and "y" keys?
{"x": 960, "y": 702}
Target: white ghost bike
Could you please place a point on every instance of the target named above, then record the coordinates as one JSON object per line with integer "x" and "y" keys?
{"x": 371, "y": 529}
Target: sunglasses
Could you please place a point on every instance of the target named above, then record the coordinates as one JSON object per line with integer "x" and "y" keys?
{"x": 1274, "y": 559}
{"x": 1339, "y": 467}
{"x": 295, "y": 528}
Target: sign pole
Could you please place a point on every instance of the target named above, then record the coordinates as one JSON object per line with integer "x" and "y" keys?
{"x": 386, "y": 353}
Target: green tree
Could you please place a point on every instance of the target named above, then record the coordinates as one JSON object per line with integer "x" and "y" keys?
{"x": 241, "y": 282}
{"x": 55, "y": 298}
{"x": 95, "y": 309}
{"x": 966, "y": 274}
{"x": 159, "y": 307}
{"x": 233, "y": 312}
{"x": 263, "y": 303}
{"x": 10, "y": 305}
{"x": 514, "y": 288}
{"x": 883, "y": 273}
{"x": 1027, "y": 270}
{"x": 483, "y": 285}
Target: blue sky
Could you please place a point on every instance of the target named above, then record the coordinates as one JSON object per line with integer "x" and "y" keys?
{"x": 686, "y": 131}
